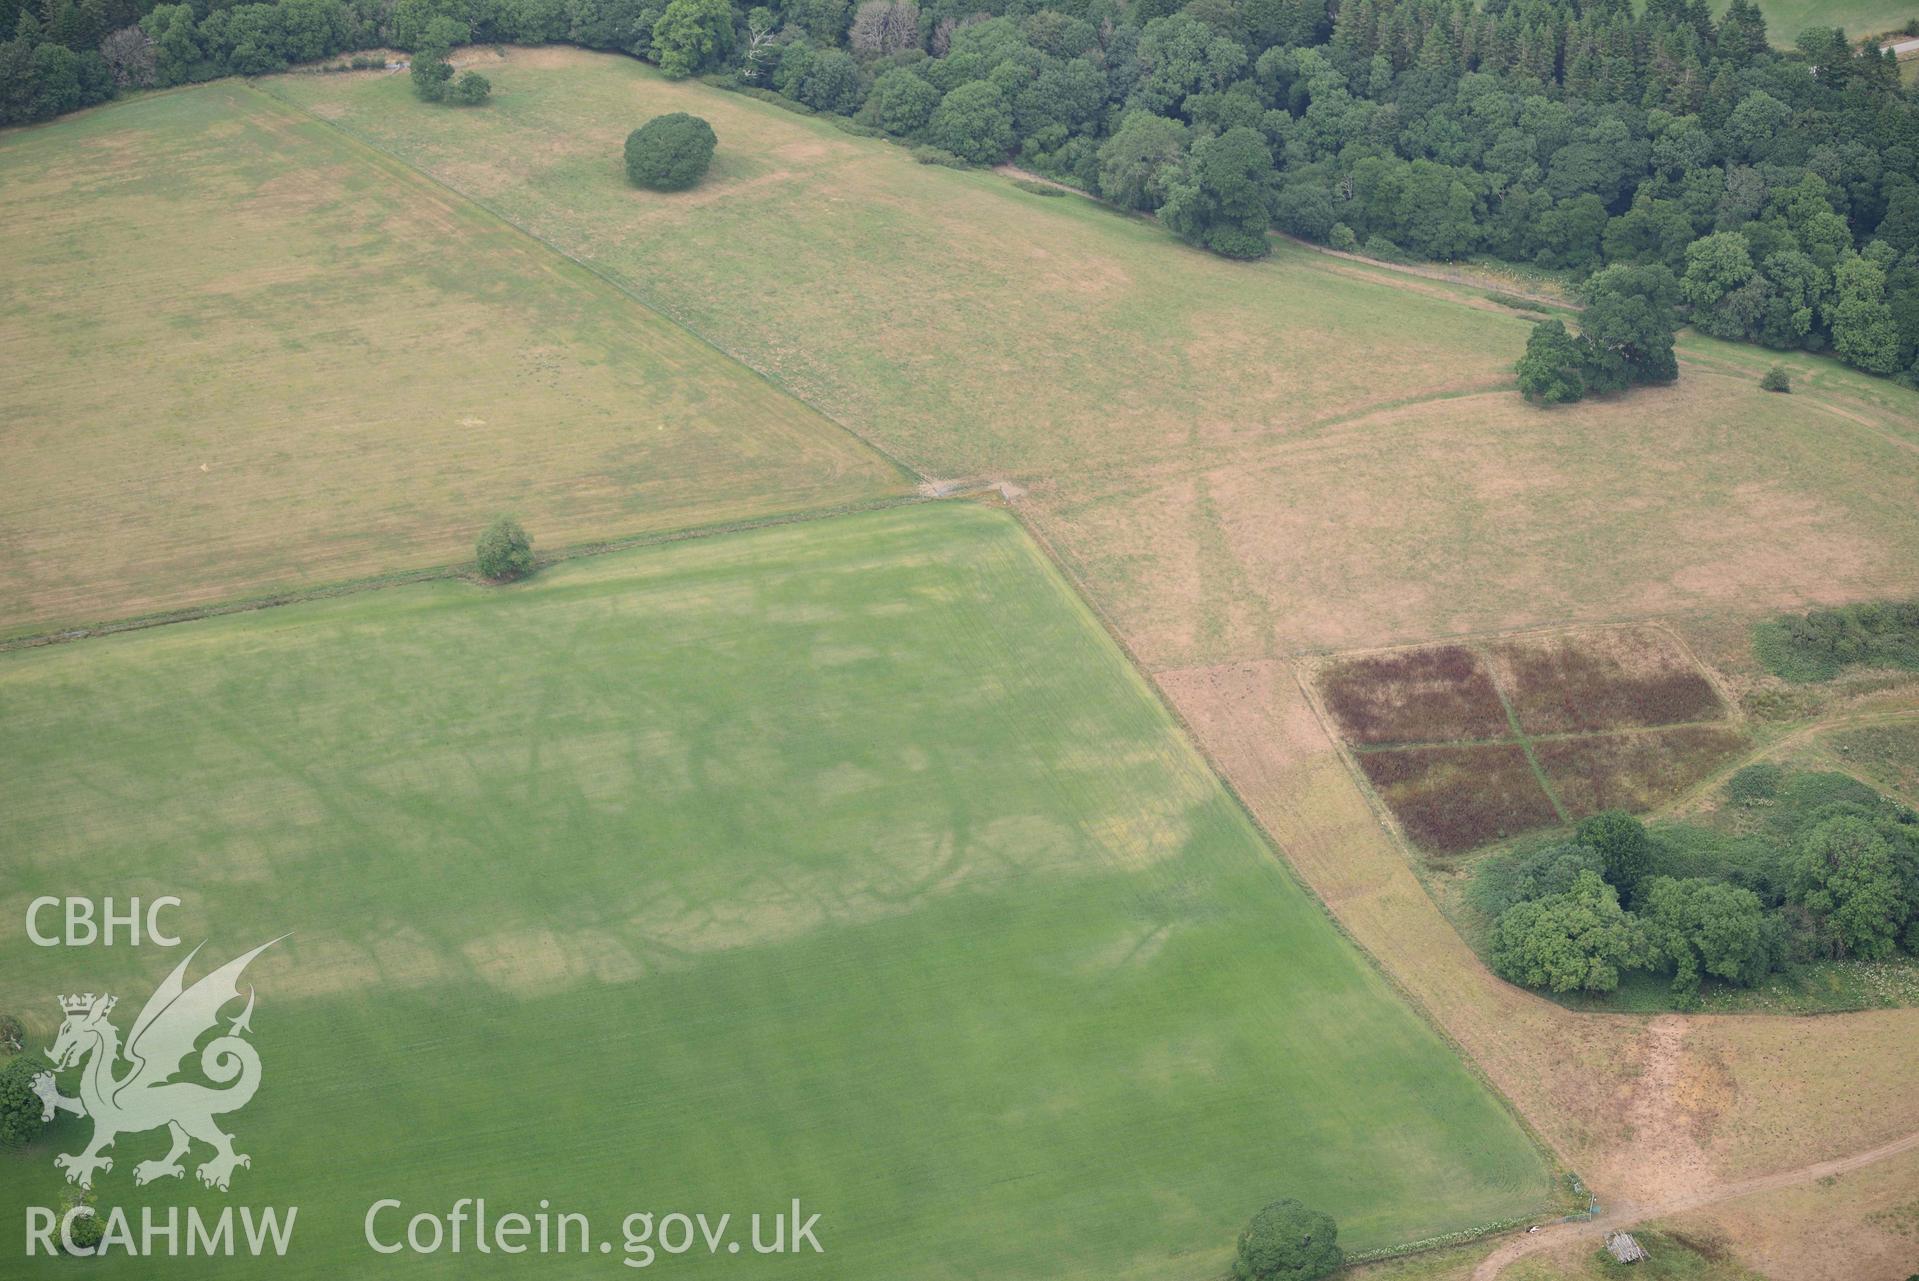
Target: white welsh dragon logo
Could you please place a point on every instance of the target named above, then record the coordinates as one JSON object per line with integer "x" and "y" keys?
{"x": 146, "y": 1097}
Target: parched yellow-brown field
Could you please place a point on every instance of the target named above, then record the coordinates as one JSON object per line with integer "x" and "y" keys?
{"x": 240, "y": 353}
{"x": 1238, "y": 461}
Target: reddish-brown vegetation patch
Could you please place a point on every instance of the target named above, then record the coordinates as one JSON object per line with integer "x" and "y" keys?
{"x": 1431, "y": 695}
{"x": 1633, "y": 771}
{"x": 1451, "y": 799}
{"x": 1617, "y": 678}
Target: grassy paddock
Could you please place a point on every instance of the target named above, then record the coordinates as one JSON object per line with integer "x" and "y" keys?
{"x": 846, "y": 860}
{"x": 986, "y": 328}
{"x": 1785, "y": 19}
{"x": 1238, "y": 460}
{"x": 242, "y": 353}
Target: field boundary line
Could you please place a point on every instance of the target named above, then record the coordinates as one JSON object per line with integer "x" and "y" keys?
{"x": 1335, "y": 431}
{"x": 1552, "y": 736}
{"x": 612, "y": 278}
{"x": 458, "y": 570}
{"x": 1470, "y": 635}
{"x": 1277, "y": 853}
{"x": 1714, "y": 677}
{"x": 1525, "y": 739}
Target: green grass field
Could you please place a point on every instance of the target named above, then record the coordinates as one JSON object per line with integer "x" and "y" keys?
{"x": 1785, "y": 19}
{"x": 241, "y": 352}
{"x": 1238, "y": 460}
{"x": 846, "y": 860}
{"x": 1888, "y": 755}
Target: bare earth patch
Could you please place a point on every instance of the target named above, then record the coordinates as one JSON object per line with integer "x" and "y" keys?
{"x": 1859, "y": 1226}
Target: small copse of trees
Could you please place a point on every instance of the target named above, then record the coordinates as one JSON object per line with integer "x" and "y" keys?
{"x": 1819, "y": 645}
{"x": 1287, "y": 1241}
{"x": 1625, "y": 339}
{"x": 1832, "y": 872}
{"x": 670, "y": 152}
{"x": 504, "y": 551}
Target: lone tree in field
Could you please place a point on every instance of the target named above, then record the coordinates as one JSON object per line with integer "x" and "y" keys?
{"x": 1288, "y": 1242}
{"x": 13, "y": 1034}
{"x": 670, "y": 152}
{"x": 1776, "y": 379}
{"x": 504, "y": 551}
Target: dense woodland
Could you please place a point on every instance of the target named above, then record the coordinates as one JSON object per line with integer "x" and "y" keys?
{"x": 1802, "y": 867}
{"x": 1766, "y": 196}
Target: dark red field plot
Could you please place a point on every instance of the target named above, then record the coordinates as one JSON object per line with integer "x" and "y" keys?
{"x": 1432, "y": 695}
{"x": 1618, "y": 718}
{"x": 1633, "y": 771}
{"x": 1452, "y": 799}
{"x": 1619, "y": 678}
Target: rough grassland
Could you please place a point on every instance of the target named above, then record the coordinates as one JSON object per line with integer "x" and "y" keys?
{"x": 1582, "y": 698}
{"x": 1633, "y": 771}
{"x": 1603, "y": 678}
{"x": 1888, "y": 755}
{"x": 1240, "y": 461}
{"x": 1427, "y": 695}
{"x": 1453, "y": 799}
{"x": 847, "y": 860}
{"x": 240, "y": 352}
